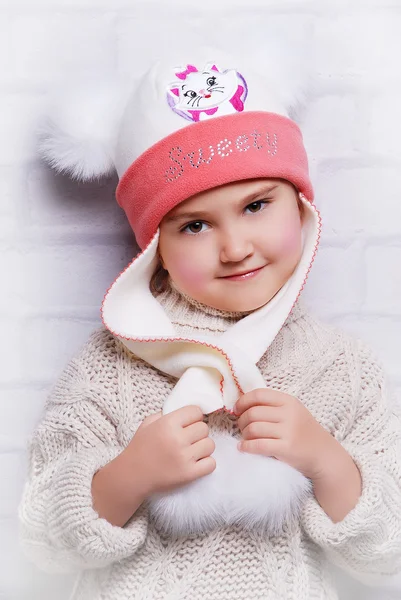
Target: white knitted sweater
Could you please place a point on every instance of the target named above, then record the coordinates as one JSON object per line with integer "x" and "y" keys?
{"x": 100, "y": 400}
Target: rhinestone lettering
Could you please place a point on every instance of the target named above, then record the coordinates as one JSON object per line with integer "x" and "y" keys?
{"x": 200, "y": 160}
{"x": 239, "y": 142}
{"x": 273, "y": 144}
{"x": 255, "y": 134}
{"x": 261, "y": 141}
{"x": 220, "y": 148}
{"x": 172, "y": 172}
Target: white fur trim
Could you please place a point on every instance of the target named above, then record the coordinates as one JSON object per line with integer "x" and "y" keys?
{"x": 245, "y": 489}
{"x": 79, "y": 132}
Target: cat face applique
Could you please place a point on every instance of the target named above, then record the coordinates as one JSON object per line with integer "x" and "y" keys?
{"x": 199, "y": 95}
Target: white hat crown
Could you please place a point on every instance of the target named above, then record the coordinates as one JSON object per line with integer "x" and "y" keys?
{"x": 102, "y": 125}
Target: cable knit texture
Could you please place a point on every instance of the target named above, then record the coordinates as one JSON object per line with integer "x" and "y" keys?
{"x": 99, "y": 402}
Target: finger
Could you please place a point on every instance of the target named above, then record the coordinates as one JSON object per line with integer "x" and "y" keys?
{"x": 260, "y": 430}
{"x": 187, "y": 415}
{"x": 202, "y": 449}
{"x": 203, "y": 467}
{"x": 265, "y": 447}
{"x": 196, "y": 431}
{"x": 259, "y": 397}
{"x": 272, "y": 414}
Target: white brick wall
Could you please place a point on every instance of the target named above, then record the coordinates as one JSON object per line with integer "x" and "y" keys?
{"x": 62, "y": 244}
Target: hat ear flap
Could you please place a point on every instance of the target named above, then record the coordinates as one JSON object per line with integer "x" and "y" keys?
{"x": 79, "y": 133}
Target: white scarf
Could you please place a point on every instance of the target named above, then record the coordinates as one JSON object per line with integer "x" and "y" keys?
{"x": 244, "y": 489}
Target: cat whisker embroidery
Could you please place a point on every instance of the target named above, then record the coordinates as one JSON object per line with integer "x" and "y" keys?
{"x": 196, "y": 99}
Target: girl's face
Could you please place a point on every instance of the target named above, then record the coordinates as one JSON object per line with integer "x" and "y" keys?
{"x": 229, "y": 230}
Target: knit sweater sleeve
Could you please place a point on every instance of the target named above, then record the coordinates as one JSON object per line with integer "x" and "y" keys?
{"x": 59, "y": 530}
{"x": 367, "y": 542}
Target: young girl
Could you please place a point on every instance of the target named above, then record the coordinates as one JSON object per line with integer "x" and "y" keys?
{"x": 213, "y": 439}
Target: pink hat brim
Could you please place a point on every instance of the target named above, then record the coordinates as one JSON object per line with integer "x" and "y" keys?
{"x": 207, "y": 154}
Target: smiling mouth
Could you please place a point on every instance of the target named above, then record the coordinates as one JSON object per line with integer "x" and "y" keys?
{"x": 244, "y": 274}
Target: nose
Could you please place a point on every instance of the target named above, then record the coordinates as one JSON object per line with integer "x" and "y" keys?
{"x": 202, "y": 92}
{"x": 235, "y": 248}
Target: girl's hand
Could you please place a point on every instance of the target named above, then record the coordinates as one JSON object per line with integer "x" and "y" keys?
{"x": 278, "y": 425}
{"x": 168, "y": 451}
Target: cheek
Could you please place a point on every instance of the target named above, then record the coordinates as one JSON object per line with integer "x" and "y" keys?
{"x": 291, "y": 238}
{"x": 187, "y": 270}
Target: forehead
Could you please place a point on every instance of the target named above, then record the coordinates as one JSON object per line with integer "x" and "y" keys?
{"x": 235, "y": 190}
{"x": 230, "y": 193}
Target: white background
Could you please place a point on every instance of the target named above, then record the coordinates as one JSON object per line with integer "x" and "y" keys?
{"x": 62, "y": 244}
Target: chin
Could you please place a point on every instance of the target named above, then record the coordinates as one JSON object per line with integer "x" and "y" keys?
{"x": 247, "y": 305}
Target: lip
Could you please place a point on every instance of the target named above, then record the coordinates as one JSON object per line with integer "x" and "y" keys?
{"x": 244, "y": 276}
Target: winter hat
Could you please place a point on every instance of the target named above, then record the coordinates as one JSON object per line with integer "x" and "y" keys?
{"x": 196, "y": 126}
{"x": 187, "y": 126}
{"x": 183, "y": 128}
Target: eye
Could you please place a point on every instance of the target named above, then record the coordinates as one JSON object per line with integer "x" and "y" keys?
{"x": 190, "y": 94}
{"x": 257, "y": 205}
{"x": 193, "y": 224}
{"x": 211, "y": 80}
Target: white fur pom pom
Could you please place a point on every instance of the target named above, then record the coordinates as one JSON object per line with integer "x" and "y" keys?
{"x": 265, "y": 493}
{"x": 78, "y": 134}
{"x": 286, "y": 61}
{"x": 253, "y": 491}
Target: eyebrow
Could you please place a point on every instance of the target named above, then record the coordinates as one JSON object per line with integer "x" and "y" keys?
{"x": 197, "y": 214}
